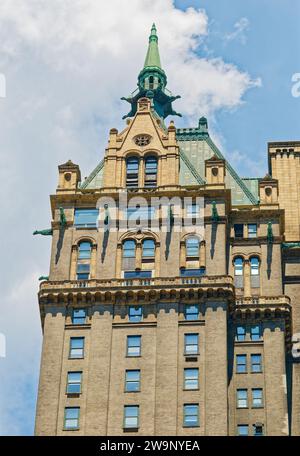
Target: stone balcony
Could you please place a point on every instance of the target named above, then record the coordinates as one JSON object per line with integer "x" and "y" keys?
{"x": 149, "y": 289}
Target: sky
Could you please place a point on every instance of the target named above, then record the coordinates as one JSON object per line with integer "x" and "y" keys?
{"x": 65, "y": 65}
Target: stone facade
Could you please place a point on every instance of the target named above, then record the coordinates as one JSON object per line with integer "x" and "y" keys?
{"x": 234, "y": 289}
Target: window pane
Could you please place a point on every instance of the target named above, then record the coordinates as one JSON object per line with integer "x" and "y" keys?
{"x": 191, "y": 378}
{"x": 79, "y": 316}
{"x": 241, "y": 364}
{"x": 137, "y": 274}
{"x": 76, "y": 347}
{"x": 129, "y": 249}
{"x": 192, "y": 246}
{"x": 257, "y": 397}
{"x": 74, "y": 383}
{"x": 84, "y": 250}
{"x": 191, "y": 312}
{"x": 191, "y": 344}
{"x": 148, "y": 248}
{"x": 241, "y": 333}
{"x": 191, "y": 415}
{"x": 239, "y": 230}
{"x": 86, "y": 217}
{"x": 71, "y": 417}
{"x": 131, "y": 414}
{"x": 132, "y": 380}
{"x": 192, "y": 272}
{"x": 256, "y": 363}
{"x": 252, "y": 230}
{"x": 242, "y": 398}
{"x": 135, "y": 314}
{"x": 255, "y": 333}
{"x": 238, "y": 266}
{"x": 133, "y": 345}
{"x": 243, "y": 429}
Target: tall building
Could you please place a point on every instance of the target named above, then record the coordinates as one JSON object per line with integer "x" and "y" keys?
{"x": 172, "y": 304}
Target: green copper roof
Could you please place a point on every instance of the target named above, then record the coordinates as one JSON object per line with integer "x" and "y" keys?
{"x": 152, "y": 57}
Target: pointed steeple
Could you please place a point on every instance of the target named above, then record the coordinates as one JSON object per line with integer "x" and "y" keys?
{"x": 152, "y": 58}
{"x": 152, "y": 82}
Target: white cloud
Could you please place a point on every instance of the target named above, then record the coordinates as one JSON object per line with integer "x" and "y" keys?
{"x": 66, "y": 66}
{"x": 240, "y": 29}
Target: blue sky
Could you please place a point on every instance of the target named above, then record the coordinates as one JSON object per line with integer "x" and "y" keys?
{"x": 66, "y": 69}
{"x": 272, "y": 52}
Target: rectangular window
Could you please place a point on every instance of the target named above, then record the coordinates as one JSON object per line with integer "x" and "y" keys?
{"x": 74, "y": 382}
{"x": 238, "y": 230}
{"x": 84, "y": 251}
{"x": 191, "y": 344}
{"x": 255, "y": 333}
{"x": 242, "y": 398}
{"x": 134, "y": 345}
{"x": 191, "y": 379}
{"x": 86, "y": 218}
{"x": 243, "y": 430}
{"x": 252, "y": 230}
{"x": 191, "y": 312}
{"x": 71, "y": 418}
{"x": 192, "y": 210}
{"x": 137, "y": 274}
{"x": 135, "y": 314}
{"x": 83, "y": 271}
{"x": 131, "y": 416}
{"x": 143, "y": 213}
{"x": 76, "y": 347}
{"x": 241, "y": 364}
{"x": 79, "y": 317}
{"x": 258, "y": 430}
{"x": 191, "y": 415}
{"x": 257, "y": 397}
{"x": 192, "y": 272}
{"x": 256, "y": 363}
{"x": 132, "y": 380}
{"x": 240, "y": 333}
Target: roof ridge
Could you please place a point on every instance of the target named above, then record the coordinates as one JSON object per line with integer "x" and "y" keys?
{"x": 89, "y": 179}
{"x": 232, "y": 171}
{"x": 191, "y": 167}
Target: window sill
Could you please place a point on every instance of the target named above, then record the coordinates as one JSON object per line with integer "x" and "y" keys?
{"x": 78, "y": 357}
{"x": 191, "y": 389}
{"x": 191, "y": 427}
{"x": 73, "y": 394}
{"x": 130, "y": 392}
{"x": 73, "y": 429}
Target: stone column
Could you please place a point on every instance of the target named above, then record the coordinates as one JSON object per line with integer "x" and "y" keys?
{"x": 50, "y": 373}
{"x": 275, "y": 394}
{"x": 202, "y": 255}
{"x": 74, "y": 255}
{"x": 118, "y": 261}
{"x": 247, "y": 279}
{"x": 138, "y": 258}
{"x": 93, "y": 261}
{"x": 157, "y": 260}
{"x": 182, "y": 254}
{"x": 216, "y": 402}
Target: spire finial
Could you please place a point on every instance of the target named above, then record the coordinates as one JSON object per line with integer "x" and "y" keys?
{"x": 152, "y": 57}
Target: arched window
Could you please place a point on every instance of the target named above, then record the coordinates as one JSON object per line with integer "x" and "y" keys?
{"x": 254, "y": 268}
{"x": 192, "y": 247}
{"x": 238, "y": 272}
{"x": 84, "y": 251}
{"x": 132, "y": 172}
{"x": 129, "y": 249}
{"x": 151, "y": 171}
{"x": 148, "y": 248}
{"x": 83, "y": 260}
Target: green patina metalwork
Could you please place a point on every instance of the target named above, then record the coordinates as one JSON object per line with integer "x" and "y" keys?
{"x": 62, "y": 217}
{"x": 171, "y": 217}
{"x": 48, "y": 232}
{"x": 106, "y": 216}
{"x": 290, "y": 245}
{"x": 214, "y": 212}
{"x": 270, "y": 236}
{"x": 152, "y": 82}
{"x": 44, "y": 278}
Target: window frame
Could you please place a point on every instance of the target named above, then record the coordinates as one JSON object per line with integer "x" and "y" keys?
{"x": 187, "y": 378}
{"x": 128, "y": 382}
{"x": 90, "y": 223}
{"x": 130, "y": 337}
{"x": 82, "y": 318}
{"x": 238, "y": 364}
{"x": 80, "y": 348}
{"x": 191, "y": 353}
{"x": 253, "y": 371}
{"x": 240, "y": 400}
{"x": 187, "y": 314}
{"x": 260, "y": 398}
{"x": 135, "y": 318}
{"x": 137, "y": 416}
{"x": 73, "y": 428}
{"x": 187, "y": 415}
{"x": 74, "y": 383}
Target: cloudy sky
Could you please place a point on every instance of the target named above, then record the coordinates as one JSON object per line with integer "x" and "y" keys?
{"x": 66, "y": 64}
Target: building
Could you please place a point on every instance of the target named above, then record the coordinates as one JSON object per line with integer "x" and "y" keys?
{"x": 182, "y": 326}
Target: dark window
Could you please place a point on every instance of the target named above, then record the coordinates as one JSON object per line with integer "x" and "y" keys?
{"x": 238, "y": 230}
